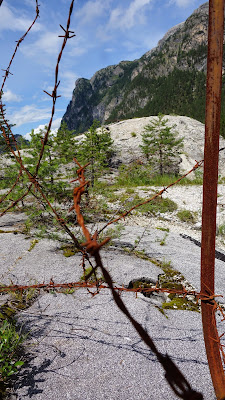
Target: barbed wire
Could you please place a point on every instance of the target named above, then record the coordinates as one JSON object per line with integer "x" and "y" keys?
{"x": 33, "y": 177}
{"x": 160, "y": 193}
{"x": 91, "y": 247}
{"x": 175, "y": 378}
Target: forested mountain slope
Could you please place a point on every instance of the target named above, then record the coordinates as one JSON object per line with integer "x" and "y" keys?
{"x": 170, "y": 78}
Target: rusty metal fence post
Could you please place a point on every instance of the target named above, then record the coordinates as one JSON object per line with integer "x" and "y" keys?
{"x": 211, "y": 155}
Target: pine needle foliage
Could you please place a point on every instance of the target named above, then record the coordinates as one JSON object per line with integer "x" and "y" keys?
{"x": 97, "y": 149}
{"x": 160, "y": 144}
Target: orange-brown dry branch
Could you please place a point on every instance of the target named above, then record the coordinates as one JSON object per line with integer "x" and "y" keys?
{"x": 91, "y": 245}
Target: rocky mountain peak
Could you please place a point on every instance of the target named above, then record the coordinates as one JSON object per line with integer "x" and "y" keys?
{"x": 169, "y": 33}
{"x": 202, "y": 9}
{"x": 175, "y": 67}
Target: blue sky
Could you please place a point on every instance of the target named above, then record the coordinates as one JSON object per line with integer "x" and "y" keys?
{"x": 107, "y": 31}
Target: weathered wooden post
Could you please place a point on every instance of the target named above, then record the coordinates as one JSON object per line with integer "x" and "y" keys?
{"x": 211, "y": 155}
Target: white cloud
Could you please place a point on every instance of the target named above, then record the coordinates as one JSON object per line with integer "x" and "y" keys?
{"x": 102, "y": 35}
{"x": 109, "y": 50}
{"x": 92, "y": 10}
{"x": 30, "y": 113}
{"x": 11, "y": 97}
{"x": 68, "y": 83}
{"x": 48, "y": 43}
{"x": 126, "y": 18}
{"x": 182, "y": 3}
{"x": 14, "y": 20}
{"x": 76, "y": 49}
{"x": 55, "y": 126}
{"x": 56, "y": 123}
{"x": 36, "y": 130}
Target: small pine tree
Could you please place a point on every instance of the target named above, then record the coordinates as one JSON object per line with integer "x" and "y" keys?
{"x": 160, "y": 144}
{"x": 97, "y": 149}
{"x": 4, "y": 124}
{"x": 64, "y": 144}
{"x": 49, "y": 171}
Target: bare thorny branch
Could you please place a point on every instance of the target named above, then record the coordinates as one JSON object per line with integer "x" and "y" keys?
{"x": 91, "y": 248}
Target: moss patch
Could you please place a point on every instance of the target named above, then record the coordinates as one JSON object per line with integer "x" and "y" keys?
{"x": 187, "y": 216}
{"x": 17, "y": 301}
{"x": 180, "y": 303}
{"x": 173, "y": 279}
{"x": 163, "y": 229}
{"x": 2, "y": 231}
{"x": 169, "y": 279}
{"x": 33, "y": 243}
{"x": 92, "y": 277}
{"x": 69, "y": 250}
{"x": 67, "y": 290}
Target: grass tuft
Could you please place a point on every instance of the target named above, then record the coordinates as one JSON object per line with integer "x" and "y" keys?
{"x": 187, "y": 216}
{"x": 10, "y": 342}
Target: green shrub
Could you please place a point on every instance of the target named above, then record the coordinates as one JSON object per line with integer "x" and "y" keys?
{"x": 186, "y": 216}
{"x": 134, "y": 174}
{"x": 221, "y": 230}
{"x": 198, "y": 180}
{"x": 10, "y": 340}
{"x": 157, "y": 205}
{"x": 137, "y": 174}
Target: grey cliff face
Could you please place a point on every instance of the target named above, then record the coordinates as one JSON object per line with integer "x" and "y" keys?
{"x": 80, "y": 108}
{"x": 177, "y": 67}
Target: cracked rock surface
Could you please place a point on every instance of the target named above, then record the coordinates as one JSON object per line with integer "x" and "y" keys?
{"x": 83, "y": 347}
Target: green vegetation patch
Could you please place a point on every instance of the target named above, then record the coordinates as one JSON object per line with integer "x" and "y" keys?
{"x": 187, "y": 216}
{"x": 158, "y": 205}
{"x": 185, "y": 94}
{"x": 92, "y": 277}
{"x": 11, "y": 338}
{"x": 69, "y": 250}
{"x": 134, "y": 174}
{"x": 19, "y": 300}
{"x": 163, "y": 229}
{"x": 140, "y": 174}
{"x": 180, "y": 303}
{"x": 140, "y": 284}
{"x": 10, "y": 342}
{"x": 221, "y": 230}
{"x": 173, "y": 279}
{"x": 169, "y": 279}
{"x": 2, "y": 231}
{"x": 32, "y": 244}
{"x": 67, "y": 290}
